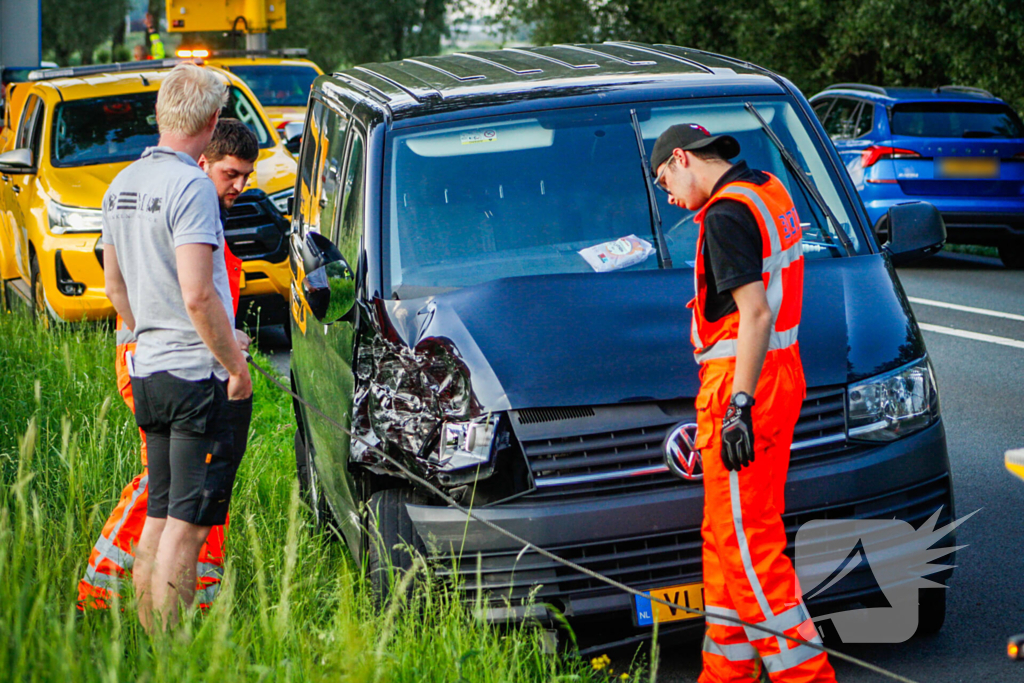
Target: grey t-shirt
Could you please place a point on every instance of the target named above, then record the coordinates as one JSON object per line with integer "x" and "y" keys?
{"x": 161, "y": 202}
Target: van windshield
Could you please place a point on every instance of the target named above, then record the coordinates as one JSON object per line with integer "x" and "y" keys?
{"x": 106, "y": 130}
{"x": 492, "y": 198}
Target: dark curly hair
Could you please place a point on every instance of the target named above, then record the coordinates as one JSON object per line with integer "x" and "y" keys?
{"x": 232, "y": 138}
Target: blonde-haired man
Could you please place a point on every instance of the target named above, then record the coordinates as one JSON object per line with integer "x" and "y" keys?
{"x": 163, "y": 247}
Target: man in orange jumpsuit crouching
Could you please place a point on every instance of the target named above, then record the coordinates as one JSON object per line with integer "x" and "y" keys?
{"x": 749, "y": 292}
{"x": 228, "y": 160}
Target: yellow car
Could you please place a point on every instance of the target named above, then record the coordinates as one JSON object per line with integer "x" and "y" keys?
{"x": 73, "y": 131}
{"x": 280, "y": 82}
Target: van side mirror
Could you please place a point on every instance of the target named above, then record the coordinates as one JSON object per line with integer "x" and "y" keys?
{"x": 916, "y": 230}
{"x": 329, "y": 286}
{"x": 17, "y": 160}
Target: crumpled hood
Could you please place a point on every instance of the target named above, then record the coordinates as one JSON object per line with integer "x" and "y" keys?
{"x": 591, "y": 339}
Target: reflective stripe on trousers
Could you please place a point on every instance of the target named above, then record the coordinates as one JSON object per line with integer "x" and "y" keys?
{"x": 746, "y": 572}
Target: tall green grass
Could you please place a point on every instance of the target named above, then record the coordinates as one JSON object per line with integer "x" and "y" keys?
{"x": 291, "y": 608}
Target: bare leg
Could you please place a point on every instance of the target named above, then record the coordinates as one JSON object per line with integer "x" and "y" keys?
{"x": 174, "y": 577}
{"x": 142, "y": 571}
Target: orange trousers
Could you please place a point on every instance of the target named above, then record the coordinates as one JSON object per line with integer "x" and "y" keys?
{"x": 114, "y": 552}
{"x": 746, "y": 572}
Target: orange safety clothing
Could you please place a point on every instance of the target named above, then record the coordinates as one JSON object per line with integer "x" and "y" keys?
{"x": 746, "y": 572}
{"x": 114, "y": 552}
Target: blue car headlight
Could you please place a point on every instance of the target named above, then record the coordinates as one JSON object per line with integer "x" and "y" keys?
{"x": 894, "y": 404}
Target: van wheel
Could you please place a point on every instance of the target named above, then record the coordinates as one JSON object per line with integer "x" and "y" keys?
{"x": 391, "y": 537}
{"x": 39, "y": 311}
{"x": 309, "y": 487}
{"x": 931, "y": 610}
{"x": 1012, "y": 254}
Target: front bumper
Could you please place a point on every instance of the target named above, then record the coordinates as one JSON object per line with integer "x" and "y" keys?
{"x": 81, "y": 259}
{"x": 652, "y": 540}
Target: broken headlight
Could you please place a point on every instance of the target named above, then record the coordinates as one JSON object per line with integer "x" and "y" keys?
{"x": 465, "y": 444}
{"x": 893, "y": 405}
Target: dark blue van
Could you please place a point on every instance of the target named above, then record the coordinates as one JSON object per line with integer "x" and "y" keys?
{"x": 442, "y": 309}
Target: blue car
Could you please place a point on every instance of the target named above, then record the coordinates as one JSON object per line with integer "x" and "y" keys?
{"x": 959, "y": 148}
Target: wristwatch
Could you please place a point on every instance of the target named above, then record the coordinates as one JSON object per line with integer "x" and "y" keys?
{"x": 742, "y": 400}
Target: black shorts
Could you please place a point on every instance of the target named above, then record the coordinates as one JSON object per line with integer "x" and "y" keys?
{"x": 195, "y": 440}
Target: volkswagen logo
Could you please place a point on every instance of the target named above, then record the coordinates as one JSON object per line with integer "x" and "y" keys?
{"x": 682, "y": 458}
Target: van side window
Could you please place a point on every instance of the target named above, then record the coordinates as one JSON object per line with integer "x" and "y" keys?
{"x": 28, "y": 130}
{"x": 309, "y": 160}
{"x": 350, "y": 228}
{"x": 330, "y": 167}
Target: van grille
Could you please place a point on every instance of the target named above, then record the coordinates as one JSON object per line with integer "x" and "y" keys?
{"x": 663, "y": 559}
{"x": 627, "y": 460}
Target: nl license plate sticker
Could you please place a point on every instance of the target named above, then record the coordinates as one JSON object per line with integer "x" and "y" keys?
{"x": 688, "y": 595}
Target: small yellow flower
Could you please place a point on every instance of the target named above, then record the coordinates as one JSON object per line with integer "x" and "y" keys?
{"x": 624, "y": 677}
{"x": 600, "y": 663}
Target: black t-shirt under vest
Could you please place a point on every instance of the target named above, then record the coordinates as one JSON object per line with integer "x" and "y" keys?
{"x": 732, "y": 244}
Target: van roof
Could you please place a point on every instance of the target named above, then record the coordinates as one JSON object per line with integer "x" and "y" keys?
{"x": 413, "y": 86}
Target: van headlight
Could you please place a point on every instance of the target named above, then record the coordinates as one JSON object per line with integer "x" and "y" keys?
{"x": 465, "y": 444}
{"x": 73, "y": 219}
{"x": 893, "y": 405}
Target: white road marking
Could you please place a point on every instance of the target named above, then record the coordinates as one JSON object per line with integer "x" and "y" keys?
{"x": 976, "y": 336}
{"x": 966, "y": 309}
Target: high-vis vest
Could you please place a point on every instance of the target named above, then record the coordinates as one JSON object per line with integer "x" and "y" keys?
{"x": 782, "y": 271}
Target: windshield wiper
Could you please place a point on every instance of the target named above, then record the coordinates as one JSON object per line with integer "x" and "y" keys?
{"x": 664, "y": 258}
{"x": 795, "y": 169}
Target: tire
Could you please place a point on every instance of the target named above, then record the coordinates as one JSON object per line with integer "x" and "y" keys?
{"x": 301, "y": 466}
{"x": 391, "y": 535}
{"x": 931, "y": 610}
{"x": 309, "y": 487}
{"x": 40, "y": 314}
{"x": 1012, "y": 254}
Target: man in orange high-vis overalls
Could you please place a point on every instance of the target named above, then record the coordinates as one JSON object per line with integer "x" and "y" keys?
{"x": 749, "y": 288}
{"x": 228, "y": 160}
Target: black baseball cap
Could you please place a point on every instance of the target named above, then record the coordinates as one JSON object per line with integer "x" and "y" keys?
{"x": 690, "y": 136}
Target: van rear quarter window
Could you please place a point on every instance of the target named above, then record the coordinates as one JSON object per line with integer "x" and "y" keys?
{"x": 482, "y": 199}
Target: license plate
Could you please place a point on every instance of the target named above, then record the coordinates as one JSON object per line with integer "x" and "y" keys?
{"x": 967, "y": 167}
{"x": 688, "y": 595}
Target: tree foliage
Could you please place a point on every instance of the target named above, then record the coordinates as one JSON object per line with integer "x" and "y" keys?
{"x": 340, "y": 34}
{"x": 813, "y": 42}
{"x": 71, "y": 26}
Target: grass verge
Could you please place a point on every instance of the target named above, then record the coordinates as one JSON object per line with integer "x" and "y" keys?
{"x": 972, "y": 249}
{"x": 291, "y": 607}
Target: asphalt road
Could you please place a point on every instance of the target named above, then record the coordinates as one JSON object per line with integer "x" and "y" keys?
{"x": 981, "y": 384}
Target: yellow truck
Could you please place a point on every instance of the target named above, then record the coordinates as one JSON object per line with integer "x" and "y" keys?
{"x": 70, "y": 131}
{"x": 280, "y": 79}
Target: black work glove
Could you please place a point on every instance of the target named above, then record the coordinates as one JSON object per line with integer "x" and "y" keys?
{"x": 738, "y": 436}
